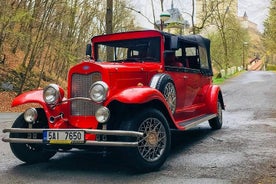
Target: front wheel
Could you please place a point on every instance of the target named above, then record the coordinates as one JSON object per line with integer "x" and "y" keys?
{"x": 216, "y": 123}
{"x": 30, "y": 153}
{"x": 153, "y": 148}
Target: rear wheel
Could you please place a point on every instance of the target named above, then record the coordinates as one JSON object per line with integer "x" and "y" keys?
{"x": 216, "y": 122}
{"x": 30, "y": 153}
{"x": 153, "y": 148}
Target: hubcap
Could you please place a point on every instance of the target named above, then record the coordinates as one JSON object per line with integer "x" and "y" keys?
{"x": 152, "y": 138}
{"x": 152, "y": 145}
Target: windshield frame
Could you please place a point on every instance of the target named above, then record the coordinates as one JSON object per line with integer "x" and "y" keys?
{"x": 146, "y": 49}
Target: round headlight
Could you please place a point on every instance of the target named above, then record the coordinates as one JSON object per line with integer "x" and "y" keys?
{"x": 102, "y": 114}
{"x": 51, "y": 94}
{"x": 30, "y": 115}
{"x": 98, "y": 91}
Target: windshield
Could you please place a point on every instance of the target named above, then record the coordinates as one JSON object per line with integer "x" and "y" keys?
{"x": 146, "y": 49}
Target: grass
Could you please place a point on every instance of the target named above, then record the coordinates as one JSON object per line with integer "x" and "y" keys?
{"x": 270, "y": 67}
{"x": 218, "y": 81}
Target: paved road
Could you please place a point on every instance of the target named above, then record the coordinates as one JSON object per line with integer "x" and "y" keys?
{"x": 243, "y": 151}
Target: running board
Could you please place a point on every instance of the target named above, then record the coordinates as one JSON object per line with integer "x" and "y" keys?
{"x": 195, "y": 121}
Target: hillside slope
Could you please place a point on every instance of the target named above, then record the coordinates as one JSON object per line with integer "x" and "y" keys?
{"x": 8, "y": 72}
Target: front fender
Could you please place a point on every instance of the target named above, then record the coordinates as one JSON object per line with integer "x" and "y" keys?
{"x": 138, "y": 95}
{"x": 35, "y": 96}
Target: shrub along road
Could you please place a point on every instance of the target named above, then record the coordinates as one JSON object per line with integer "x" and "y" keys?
{"x": 243, "y": 151}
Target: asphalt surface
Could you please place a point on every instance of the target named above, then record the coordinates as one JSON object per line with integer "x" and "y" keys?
{"x": 243, "y": 151}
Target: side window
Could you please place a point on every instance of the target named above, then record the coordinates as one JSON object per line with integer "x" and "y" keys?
{"x": 134, "y": 53}
{"x": 178, "y": 53}
{"x": 171, "y": 59}
{"x": 192, "y": 58}
{"x": 203, "y": 58}
{"x": 190, "y": 51}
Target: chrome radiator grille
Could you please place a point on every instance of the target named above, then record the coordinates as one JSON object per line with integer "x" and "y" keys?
{"x": 80, "y": 88}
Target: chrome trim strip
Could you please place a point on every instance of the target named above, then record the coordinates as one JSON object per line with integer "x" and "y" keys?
{"x": 88, "y": 143}
{"x": 111, "y": 143}
{"x": 21, "y": 140}
{"x": 89, "y": 131}
{"x": 77, "y": 98}
{"x": 193, "y": 122}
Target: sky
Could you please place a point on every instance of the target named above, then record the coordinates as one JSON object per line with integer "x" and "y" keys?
{"x": 257, "y": 10}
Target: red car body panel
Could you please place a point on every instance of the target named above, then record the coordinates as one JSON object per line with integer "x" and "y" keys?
{"x": 132, "y": 91}
{"x": 129, "y": 84}
{"x": 35, "y": 96}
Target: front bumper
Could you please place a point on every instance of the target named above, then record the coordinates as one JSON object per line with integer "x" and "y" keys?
{"x": 87, "y": 131}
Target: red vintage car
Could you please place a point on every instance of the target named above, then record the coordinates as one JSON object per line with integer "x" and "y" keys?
{"x": 133, "y": 89}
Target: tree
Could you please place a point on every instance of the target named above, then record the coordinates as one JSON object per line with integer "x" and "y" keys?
{"x": 52, "y": 35}
{"x": 269, "y": 35}
{"x": 225, "y": 32}
{"x": 12, "y": 15}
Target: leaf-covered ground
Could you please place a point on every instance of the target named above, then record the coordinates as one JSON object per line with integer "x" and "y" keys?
{"x": 6, "y": 101}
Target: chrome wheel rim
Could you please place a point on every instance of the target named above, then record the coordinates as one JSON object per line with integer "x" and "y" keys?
{"x": 170, "y": 96}
{"x": 152, "y": 145}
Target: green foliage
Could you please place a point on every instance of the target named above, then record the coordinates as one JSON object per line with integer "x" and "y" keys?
{"x": 233, "y": 56}
{"x": 270, "y": 29}
{"x": 226, "y": 35}
{"x": 270, "y": 67}
{"x": 218, "y": 81}
{"x": 54, "y": 34}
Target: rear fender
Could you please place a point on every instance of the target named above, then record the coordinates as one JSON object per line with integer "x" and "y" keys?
{"x": 214, "y": 94}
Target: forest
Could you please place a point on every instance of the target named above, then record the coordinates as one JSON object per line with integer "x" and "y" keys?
{"x": 41, "y": 39}
{"x": 49, "y": 36}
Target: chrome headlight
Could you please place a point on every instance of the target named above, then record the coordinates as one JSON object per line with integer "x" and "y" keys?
{"x": 102, "y": 114}
{"x": 98, "y": 91}
{"x": 30, "y": 115}
{"x": 52, "y": 94}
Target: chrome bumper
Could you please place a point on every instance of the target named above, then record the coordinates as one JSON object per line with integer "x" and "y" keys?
{"x": 87, "y": 142}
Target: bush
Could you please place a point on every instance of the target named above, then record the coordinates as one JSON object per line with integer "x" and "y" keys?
{"x": 270, "y": 67}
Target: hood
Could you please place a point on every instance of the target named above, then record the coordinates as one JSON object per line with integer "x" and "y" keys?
{"x": 118, "y": 76}
{"x": 89, "y": 67}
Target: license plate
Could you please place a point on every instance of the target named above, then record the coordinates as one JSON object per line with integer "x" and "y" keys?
{"x": 63, "y": 136}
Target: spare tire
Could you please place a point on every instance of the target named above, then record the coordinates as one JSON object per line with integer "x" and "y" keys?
{"x": 165, "y": 85}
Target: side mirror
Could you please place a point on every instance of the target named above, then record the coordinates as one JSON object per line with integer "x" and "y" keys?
{"x": 88, "y": 51}
{"x": 174, "y": 43}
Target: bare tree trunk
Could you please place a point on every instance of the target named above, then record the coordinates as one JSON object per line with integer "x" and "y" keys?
{"x": 43, "y": 66}
{"x": 193, "y": 17}
{"x": 109, "y": 16}
{"x": 108, "y": 24}
{"x": 153, "y": 14}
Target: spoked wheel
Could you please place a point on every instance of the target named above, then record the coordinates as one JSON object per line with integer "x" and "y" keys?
{"x": 153, "y": 144}
{"x": 170, "y": 95}
{"x": 216, "y": 123}
{"x": 153, "y": 148}
{"x": 165, "y": 85}
{"x": 30, "y": 153}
